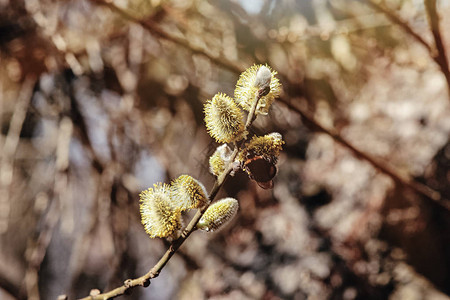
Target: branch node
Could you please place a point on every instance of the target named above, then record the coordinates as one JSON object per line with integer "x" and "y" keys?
{"x": 127, "y": 283}
{"x": 146, "y": 282}
{"x": 94, "y": 292}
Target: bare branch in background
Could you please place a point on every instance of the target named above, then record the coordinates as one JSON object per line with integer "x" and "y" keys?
{"x": 403, "y": 24}
{"x": 441, "y": 56}
{"x": 38, "y": 249}
{"x": 438, "y": 54}
{"x": 420, "y": 188}
{"x": 9, "y": 148}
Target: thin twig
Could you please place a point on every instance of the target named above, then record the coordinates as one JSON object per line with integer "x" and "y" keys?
{"x": 397, "y": 20}
{"x": 37, "y": 252}
{"x": 437, "y": 54}
{"x": 9, "y": 148}
{"x": 155, "y": 29}
{"x": 11, "y": 288}
{"x": 440, "y": 57}
{"x": 418, "y": 187}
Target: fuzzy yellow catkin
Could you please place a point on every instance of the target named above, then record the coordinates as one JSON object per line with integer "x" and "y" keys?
{"x": 188, "y": 193}
{"x": 251, "y": 82}
{"x": 267, "y": 146}
{"x": 218, "y": 214}
{"x": 219, "y": 159}
{"x": 158, "y": 214}
{"x": 223, "y": 118}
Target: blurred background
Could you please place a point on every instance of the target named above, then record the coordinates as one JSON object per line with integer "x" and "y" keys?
{"x": 100, "y": 100}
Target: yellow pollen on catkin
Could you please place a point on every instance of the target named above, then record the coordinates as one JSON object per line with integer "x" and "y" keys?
{"x": 267, "y": 146}
{"x": 188, "y": 193}
{"x": 158, "y": 214}
{"x": 247, "y": 89}
{"x": 223, "y": 118}
{"x": 218, "y": 214}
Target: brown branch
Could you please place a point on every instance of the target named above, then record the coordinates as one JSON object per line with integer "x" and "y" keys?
{"x": 8, "y": 149}
{"x": 156, "y": 30}
{"x": 403, "y": 24}
{"x": 419, "y": 188}
{"x": 440, "y": 57}
{"x": 154, "y": 272}
{"x": 11, "y": 288}
{"x": 437, "y": 54}
{"x": 36, "y": 253}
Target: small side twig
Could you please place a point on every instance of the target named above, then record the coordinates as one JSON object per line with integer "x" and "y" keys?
{"x": 37, "y": 252}
{"x": 397, "y": 20}
{"x": 440, "y": 57}
{"x": 438, "y": 54}
{"x": 8, "y": 149}
{"x": 155, "y": 29}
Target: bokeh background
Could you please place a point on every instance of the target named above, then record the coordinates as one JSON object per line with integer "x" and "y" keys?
{"x": 100, "y": 100}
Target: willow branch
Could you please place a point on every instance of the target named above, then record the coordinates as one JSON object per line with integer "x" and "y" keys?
{"x": 156, "y": 269}
{"x": 421, "y": 189}
{"x": 440, "y": 57}
{"x": 191, "y": 227}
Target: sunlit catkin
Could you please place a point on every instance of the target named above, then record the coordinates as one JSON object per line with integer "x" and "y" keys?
{"x": 218, "y": 214}
{"x": 158, "y": 214}
{"x": 188, "y": 193}
{"x": 224, "y": 119}
{"x": 267, "y": 146}
{"x": 257, "y": 80}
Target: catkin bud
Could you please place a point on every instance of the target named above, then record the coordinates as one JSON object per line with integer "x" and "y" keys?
{"x": 258, "y": 80}
{"x": 158, "y": 214}
{"x": 262, "y": 80}
{"x": 224, "y": 119}
{"x": 188, "y": 193}
{"x": 218, "y": 214}
{"x": 219, "y": 159}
